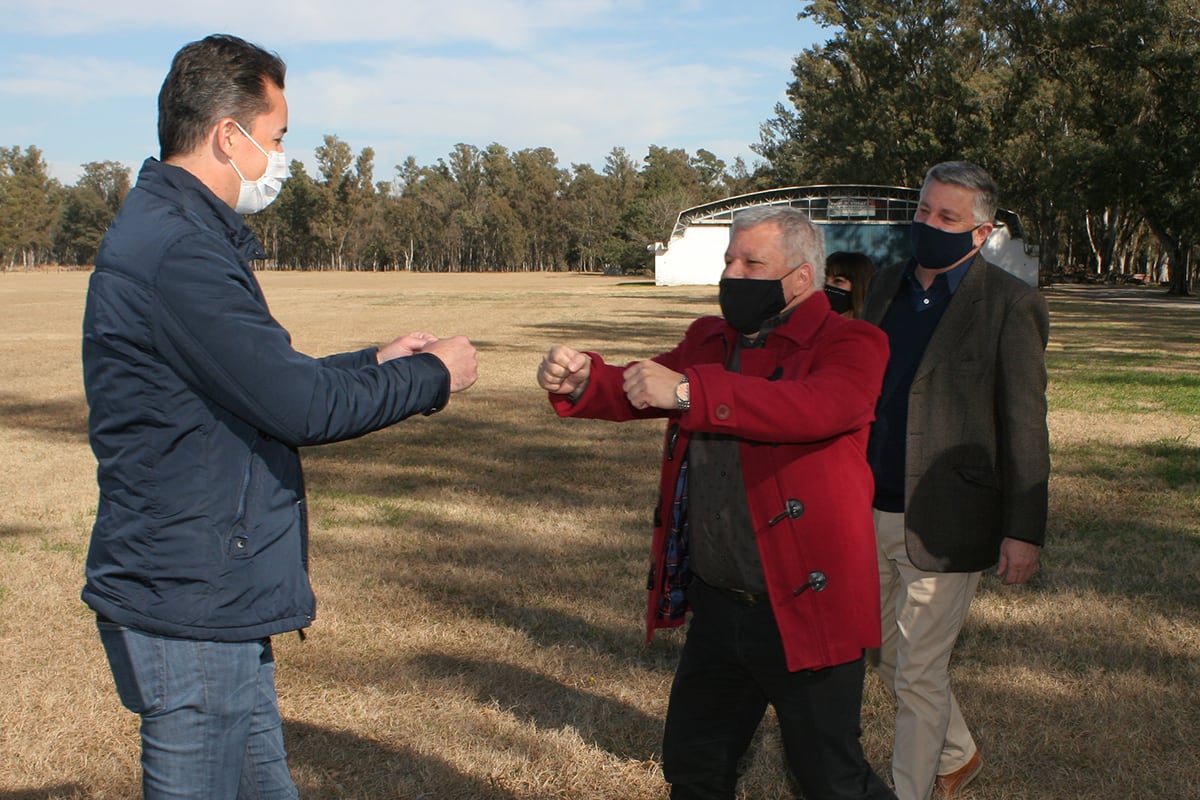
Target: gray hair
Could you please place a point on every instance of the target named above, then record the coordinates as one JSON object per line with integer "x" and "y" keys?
{"x": 803, "y": 241}
{"x": 969, "y": 176}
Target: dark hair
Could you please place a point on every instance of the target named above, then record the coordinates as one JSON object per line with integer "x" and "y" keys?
{"x": 218, "y": 76}
{"x": 858, "y": 268}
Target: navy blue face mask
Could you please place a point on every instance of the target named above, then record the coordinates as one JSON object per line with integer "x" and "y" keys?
{"x": 937, "y": 249}
{"x": 746, "y": 303}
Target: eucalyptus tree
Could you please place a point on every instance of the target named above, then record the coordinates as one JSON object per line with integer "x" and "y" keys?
{"x": 899, "y": 85}
{"x": 465, "y": 163}
{"x": 507, "y": 239}
{"x": 625, "y": 247}
{"x": 590, "y": 219}
{"x": 403, "y": 213}
{"x": 670, "y": 183}
{"x": 366, "y": 245}
{"x": 1119, "y": 83}
{"x": 432, "y": 196}
{"x": 87, "y": 209}
{"x": 289, "y": 228}
{"x": 539, "y": 207}
{"x": 29, "y": 204}
{"x": 109, "y": 180}
{"x": 348, "y": 194}
{"x": 1163, "y": 69}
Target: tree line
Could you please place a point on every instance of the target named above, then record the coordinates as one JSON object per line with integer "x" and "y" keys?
{"x": 476, "y": 209}
{"x": 1085, "y": 112}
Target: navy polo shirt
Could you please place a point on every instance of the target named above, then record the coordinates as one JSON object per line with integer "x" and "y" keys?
{"x": 909, "y": 324}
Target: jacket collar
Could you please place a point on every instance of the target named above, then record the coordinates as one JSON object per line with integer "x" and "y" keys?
{"x": 953, "y": 277}
{"x": 800, "y": 325}
{"x": 180, "y": 187}
{"x": 887, "y": 283}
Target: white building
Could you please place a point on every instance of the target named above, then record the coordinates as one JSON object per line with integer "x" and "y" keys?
{"x": 868, "y": 219}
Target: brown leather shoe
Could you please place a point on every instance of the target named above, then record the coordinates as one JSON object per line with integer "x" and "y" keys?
{"x": 947, "y": 786}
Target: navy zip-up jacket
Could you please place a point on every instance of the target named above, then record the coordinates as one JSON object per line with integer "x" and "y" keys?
{"x": 198, "y": 405}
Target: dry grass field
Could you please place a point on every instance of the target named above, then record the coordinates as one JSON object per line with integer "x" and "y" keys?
{"x": 480, "y": 573}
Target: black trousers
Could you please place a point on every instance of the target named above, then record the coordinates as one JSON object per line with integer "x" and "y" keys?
{"x": 733, "y": 666}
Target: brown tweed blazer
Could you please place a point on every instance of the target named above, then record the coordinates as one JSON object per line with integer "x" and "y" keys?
{"x": 978, "y": 452}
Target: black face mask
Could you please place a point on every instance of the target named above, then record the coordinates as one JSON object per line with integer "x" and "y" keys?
{"x": 840, "y": 300}
{"x": 938, "y": 249}
{"x": 746, "y": 303}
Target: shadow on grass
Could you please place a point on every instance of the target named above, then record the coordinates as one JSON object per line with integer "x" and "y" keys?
{"x": 507, "y": 447}
{"x": 527, "y": 465}
{"x": 1121, "y": 534}
{"x": 472, "y": 570}
{"x": 1168, "y": 464}
{"x": 577, "y": 594}
{"x": 1083, "y": 736}
{"x": 1124, "y": 319}
{"x": 604, "y": 723}
{"x": 58, "y": 418}
{"x": 62, "y": 791}
{"x": 13, "y": 531}
{"x": 330, "y": 763}
{"x": 1075, "y": 645}
{"x": 643, "y": 334}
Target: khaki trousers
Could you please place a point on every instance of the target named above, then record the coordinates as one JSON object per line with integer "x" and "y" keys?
{"x": 922, "y": 614}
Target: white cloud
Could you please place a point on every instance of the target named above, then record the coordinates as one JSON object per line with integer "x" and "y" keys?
{"x": 415, "y": 78}
{"x": 503, "y": 24}
{"x": 75, "y": 79}
{"x": 582, "y": 103}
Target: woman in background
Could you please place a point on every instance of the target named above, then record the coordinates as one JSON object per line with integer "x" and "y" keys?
{"x": 847, "y": 277}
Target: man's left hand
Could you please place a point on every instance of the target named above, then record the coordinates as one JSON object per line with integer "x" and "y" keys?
{"x": 1018, "y": 560}
{"x": 404, "y": 346}
{"x": 649, "y": 384}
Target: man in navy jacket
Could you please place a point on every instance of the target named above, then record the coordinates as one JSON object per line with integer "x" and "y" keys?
{"x": 198, "y": 405}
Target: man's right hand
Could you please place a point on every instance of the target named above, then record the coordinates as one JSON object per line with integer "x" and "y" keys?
{"x": 564, "y": 371}
{"x": 458, "y": 354}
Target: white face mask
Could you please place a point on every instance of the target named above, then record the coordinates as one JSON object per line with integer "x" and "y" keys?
{"x": 254, "y": 196}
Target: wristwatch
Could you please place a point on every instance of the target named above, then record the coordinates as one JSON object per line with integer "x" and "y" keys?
{"x": 683, "y": 395}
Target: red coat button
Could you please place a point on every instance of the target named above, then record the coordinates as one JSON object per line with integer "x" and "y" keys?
{"x": 722, "y": 412}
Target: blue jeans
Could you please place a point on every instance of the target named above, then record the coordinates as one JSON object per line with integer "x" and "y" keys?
{"x": 211, "y": 728}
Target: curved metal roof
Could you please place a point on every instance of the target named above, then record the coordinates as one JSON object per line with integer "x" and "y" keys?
{"x": 860, "y": 203}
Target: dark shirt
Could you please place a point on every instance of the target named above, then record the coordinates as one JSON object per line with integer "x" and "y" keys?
{"x": 724, "y": 551}
{"x": 909, "y": 324}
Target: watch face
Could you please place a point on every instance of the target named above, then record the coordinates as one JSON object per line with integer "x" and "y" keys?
{"x": 683, "y": 394}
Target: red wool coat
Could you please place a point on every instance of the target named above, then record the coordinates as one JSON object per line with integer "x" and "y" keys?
{"x": 802, "y": 406}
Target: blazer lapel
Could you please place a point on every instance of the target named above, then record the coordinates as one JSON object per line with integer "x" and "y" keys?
{"x": 882, "y": 293}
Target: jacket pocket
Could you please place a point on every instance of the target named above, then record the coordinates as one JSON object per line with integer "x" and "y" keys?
{"x": 979, "y": 476}
{"x": 237, "y": 542}
{"x": 978, "y": 497}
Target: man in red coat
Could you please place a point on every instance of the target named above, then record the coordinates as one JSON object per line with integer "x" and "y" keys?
{"x": 764, "y": 527}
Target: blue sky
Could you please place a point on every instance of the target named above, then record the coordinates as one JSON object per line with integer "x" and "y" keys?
{"x": 79, "y": 78}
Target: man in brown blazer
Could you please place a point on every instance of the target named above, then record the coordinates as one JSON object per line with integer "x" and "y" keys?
{"x": 960, "y": 454}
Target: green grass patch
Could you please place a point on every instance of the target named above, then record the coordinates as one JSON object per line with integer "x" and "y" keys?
{"x": 1130, "y": 391}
